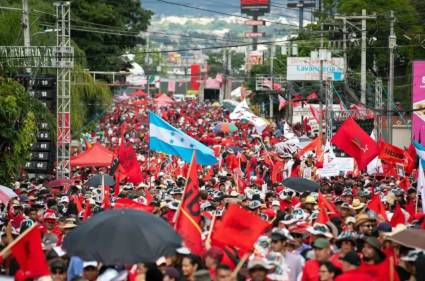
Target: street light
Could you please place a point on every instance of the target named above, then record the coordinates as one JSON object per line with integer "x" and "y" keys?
{"x": 45, "y": 31}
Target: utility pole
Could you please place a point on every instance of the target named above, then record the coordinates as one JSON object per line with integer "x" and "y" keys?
{"x": 344, "y": 46}
{"x": 329, "y": 110}
{"x": 364, "y": 17}
{"x": 379, "y": 106}
{"x": 26, "y": 23}
{"x": 254, "y": 30}
{"x": 321, "y": 83}
{"x": 26, "y": 26}
{"x": 300, "y": 6}
{"x": 392, "y": 42}
{"x": 272, "y": 53}
{"x": 363, "y": 59}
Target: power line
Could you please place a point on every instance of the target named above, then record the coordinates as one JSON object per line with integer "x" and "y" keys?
{"x": 222, "y": 13}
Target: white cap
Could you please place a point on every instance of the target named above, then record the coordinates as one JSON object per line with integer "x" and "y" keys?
{"x": 90, "y": 263}
{"x": 64, "y": 199}
{"x": 183, "y": 251}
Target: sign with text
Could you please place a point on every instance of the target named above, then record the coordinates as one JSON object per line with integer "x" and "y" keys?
{"x": 255, "y": 22}
{"x": 308, "y": 69}
{"x": 418, "y": 99}
{"x": 255, "y": 7}
{"x": 254, "y": 34}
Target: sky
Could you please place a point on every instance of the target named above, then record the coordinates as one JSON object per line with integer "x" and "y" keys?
{"x": 160, "y": 8}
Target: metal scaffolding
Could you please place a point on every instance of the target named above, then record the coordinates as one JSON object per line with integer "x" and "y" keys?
{"x": 329, "y": 110}
{"x": 379, "y": 106}
{"x": 65, "y": 63}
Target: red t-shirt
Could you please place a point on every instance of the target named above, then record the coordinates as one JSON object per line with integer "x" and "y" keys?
{"x": 354, "y": 275}
{"x": 311, "y": 271}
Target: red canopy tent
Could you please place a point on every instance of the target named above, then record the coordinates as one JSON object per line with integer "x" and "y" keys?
{"x": 97, "y": 156}
{"x": 138, "y": 93}
{"x": 140, "y": 102}
{"x": 163, "y": 99}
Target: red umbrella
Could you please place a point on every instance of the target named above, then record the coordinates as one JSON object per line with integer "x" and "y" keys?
{"x": 140, "y": 102}
{"x": 139, "y": 93}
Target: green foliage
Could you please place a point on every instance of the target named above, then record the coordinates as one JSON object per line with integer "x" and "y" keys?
{"x": 18, "y": 115}
{"x": 149, "y": 61}
{"x": 408, "y": 22}
{"x": 89, "y": 100}
{"x": 103, "y": 50}
{"x": 215, "y": 62}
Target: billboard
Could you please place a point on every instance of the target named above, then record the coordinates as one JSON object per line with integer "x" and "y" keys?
{"x": 308, "y": 69}
{"x": 418, "y": 99}
{"x": 255, "y": 7}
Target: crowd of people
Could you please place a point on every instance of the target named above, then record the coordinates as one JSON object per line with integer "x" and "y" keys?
{"x": 351, "y": 239}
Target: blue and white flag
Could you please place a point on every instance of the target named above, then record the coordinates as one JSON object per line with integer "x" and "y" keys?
{"x": 420, "y": 151}
{"x": 165, "y": 138}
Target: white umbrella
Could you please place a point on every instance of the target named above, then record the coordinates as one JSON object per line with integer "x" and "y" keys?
{"x": 6, "y": 194}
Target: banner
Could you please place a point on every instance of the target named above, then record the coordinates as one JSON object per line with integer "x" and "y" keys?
{"x": 195, "y": 76}
{"x": 418, "y": 99}
{"x": 391, "y": 153}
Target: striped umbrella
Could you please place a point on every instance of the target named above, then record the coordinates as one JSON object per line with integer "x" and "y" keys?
{"x": 224, "y": 127}
{"x": 6, "y": 194}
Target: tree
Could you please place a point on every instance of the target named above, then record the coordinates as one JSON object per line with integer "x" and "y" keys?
{"x": 117, "y": 29}
{"x": 215, "y": 62}
{"x": 18, "y": 116}
{"x": 407, "y": 23}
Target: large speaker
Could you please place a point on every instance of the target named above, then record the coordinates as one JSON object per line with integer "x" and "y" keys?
{"x": 42, "y": 88}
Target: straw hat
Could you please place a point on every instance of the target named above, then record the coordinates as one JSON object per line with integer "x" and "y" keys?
{"x": 357, "y": 205}
{"x": 310, "y": 200}
{"x": 362, "y": 218}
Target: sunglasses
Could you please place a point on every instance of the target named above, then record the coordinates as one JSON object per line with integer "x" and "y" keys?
{"x": 58, "y": 270}
{"x": 368, "y": 225}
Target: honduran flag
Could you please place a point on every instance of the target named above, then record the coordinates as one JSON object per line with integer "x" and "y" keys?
{"x": 165, "y": 138}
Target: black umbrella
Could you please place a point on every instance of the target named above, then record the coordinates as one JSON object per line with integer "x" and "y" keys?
{"x": 96, "y": 180}
{"x": 122, "y": 236}
{"x": 300, "y": 184}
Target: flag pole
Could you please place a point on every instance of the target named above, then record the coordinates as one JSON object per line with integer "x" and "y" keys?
{"x": 6, "y": 251}
{"x": 149, "y": 168}
{"x": 176, "y": 216}
{"x": 208, "y": 240}
{"x": 240, "y": 264}
{"x": 264, "y": 146}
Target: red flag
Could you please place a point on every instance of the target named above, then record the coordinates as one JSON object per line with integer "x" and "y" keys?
{"x": 189, "y": 213}
{"x": 28, "y": 252}
{"x": 312, "y": 96}
{"x": 128, "y": 160}
{"x": 327, "y": 205}
{"x": 77, "y": 202}
{"x": 87, "y": 144}
{"x": 282, "y": 102}
{"x": 323, "y": 216}
{"x": 398, "y": 216}
{"x": 277, "y": 172}
{"x": 87, "y": 211}
{"x": 123, "y": 129}
{"x": 106, "y": 204}
{"x": 119, "y": 175}
{"x": 315, "y": 145}
{"x": 390, "y": 153}
{"x": 316, "y": 113}
{"x": 351, "y": 139}
{"x": 410, "y": 157}
{"x": 376, "y": 205}
{"x": 239, "y": 228}
{"x": 126, "y": 203}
